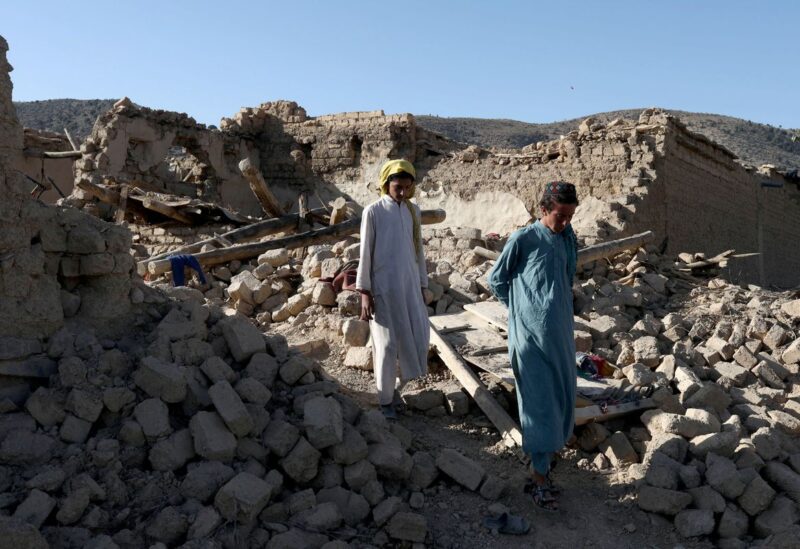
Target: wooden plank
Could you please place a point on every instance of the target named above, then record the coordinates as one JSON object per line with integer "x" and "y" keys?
{"x": 72, "y": 142}
{"x": 269, "y": 202}
{"x": 165, "y": 210}
{"x": 590, "y": 414}
{"x": 490, "y": 350}
{"x": 613, "y": 247}
{"x": 508, "y": 428}
{"x": 247, "y": 251}
{"x": 493, "y": 312}
{"x": 119, "y": 215}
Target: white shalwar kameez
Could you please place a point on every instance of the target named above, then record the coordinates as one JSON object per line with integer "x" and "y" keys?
{"x": 392, "y": 270}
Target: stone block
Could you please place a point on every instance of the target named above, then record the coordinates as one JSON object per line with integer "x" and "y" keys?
{"x": 360, "y": 473}
{"x": 779, "y": 517}
{"x": 733, "y": 523}
{"x": 322, "y": 419}
{"x": 722, "y": 475}
{"x": 791, "y": 355}
{"x": 35, "y": 509}
{"x": 153, "y": 416}
{"x": 457, "y": 403}
{"x": 355, "y": 332}
{"x": 252, "y": 391}
{"x": 359, "y": 357}
{"x": 618, "y": 450}
{"x": 757, "y": 497}
{"x": 85, "y": 404}
{"x": 460, "y": 468}
{"x": 160, "y": 379}
{"x": 408, "y": 527}
{"x": 46, "y": 406}
{"x": 264, "y": 368}
{"x": 424, "y": 471}
{"x": 301, "y": 463}
{"x": 775, "y": 337}
{"x": 660, "y": 500}
{"x": 212, "y": 439}
{"x": 353, "y": 448}
{"x": 323, "y": 294}
{"x": 280, "y": 437}
{"x": 242, "y": 498}
{"x": 320, "y": 518}
{"x": 216, "y": 369}
{"x": 294, "y": 369}
{"x": 231, "y": 408}
{"x": 705, "y": 497}
{"x": 390, "y": 460}
{"x": 173, "y": 452}
{"x": 695, "y": 522}
{"x": 206, "y": 521}
{"x": 424, "y": 399}
{"x": 204, "y": 479}
{"x": 243, "y": 338}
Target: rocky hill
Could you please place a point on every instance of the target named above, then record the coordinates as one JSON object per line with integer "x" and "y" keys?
{"x": 754, "y": 143}
{"x": 77, "y": 115}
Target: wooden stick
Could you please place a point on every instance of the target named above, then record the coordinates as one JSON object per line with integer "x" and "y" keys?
{"x": 164, "y": 209}
{"x": 71, "y": 141}
{"x": 103, "y": 194}
{"x": 119, "y": 216}
{"x": 59, "y": 154}
{"x": 338, "y": 210}
{"x": 490, "y": 351}
{"x": 247, "y": 251}
{"x": 590, "y": 253}
{"x": 483, "y": 252}
{"x": 712, "y": 261}
{"x": 509, "y": 430}
{"x": 269, "y": 203}
{"x": 613, "y": 247}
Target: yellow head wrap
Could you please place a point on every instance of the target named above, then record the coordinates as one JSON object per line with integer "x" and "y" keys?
{"x": 391, "y": 168}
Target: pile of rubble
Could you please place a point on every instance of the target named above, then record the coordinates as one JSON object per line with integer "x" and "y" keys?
{"x": 720, "y": 454}
{"x": 199, "y": 429}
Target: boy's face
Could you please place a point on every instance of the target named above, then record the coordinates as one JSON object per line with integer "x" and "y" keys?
{"x": 559, "y": 217}
{"x": 399, "y": 187}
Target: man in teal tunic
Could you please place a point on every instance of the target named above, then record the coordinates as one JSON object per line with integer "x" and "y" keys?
{"x": 533, "y": 278}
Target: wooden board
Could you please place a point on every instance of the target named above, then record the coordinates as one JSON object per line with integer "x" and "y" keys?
{"x": 487, "y": 321}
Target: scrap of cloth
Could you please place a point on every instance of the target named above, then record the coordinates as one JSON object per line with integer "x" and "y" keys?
{"x": 533, "y": 278}
{"x": 179, "y": 263}
{"x": 393, "y": 270}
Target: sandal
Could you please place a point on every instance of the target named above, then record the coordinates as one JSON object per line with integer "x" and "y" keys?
{"x": 543, "y": 497}
{"x": 508, "y": 524}
{"x": 530, "y": 484}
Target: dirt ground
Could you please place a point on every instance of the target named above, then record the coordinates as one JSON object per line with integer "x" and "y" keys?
{"x": 597, "y": 510}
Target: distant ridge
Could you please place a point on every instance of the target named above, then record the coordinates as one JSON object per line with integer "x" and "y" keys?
{"x": 753, "y": 143}
{"x": 77, "y": 115}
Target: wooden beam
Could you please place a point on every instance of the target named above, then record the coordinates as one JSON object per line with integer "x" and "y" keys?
{"x": 165, "y": 210}
{"x": 269, "y": 203}
{"x": 508, "y": 428}
{"x": 247, "y": 251}
{"x": 612, "y": 247}
{"x": 103, "y": 194}
{"x": 119, "y": 216}
{"x": 60, "y": 154}
{"x": 483, "y": 252}
{"x": 72, "y": 142}
{"x": 338, "y": 210}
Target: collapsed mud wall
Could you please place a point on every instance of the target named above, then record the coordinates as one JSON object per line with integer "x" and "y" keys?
{"x": 55, "y": 263}
{"x": 167, "y": 152}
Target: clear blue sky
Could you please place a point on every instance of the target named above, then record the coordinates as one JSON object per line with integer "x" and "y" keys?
{"x": 532, "y": 61}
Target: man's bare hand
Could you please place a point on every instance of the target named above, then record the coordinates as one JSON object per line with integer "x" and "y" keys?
{"x": 367, "y": 306}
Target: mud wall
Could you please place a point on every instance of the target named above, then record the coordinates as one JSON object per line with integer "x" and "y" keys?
{"x": 55, "y": 263}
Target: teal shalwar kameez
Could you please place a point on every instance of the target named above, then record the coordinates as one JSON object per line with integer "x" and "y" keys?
{"x": 533, "y": 278}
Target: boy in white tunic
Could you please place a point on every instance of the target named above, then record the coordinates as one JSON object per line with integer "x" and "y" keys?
{"x": 391, "y": 277}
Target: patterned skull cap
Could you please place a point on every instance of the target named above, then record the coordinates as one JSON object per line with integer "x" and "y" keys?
{"x": 559, "y": 188}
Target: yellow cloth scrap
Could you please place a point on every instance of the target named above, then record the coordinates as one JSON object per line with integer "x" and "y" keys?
{"x": 391, "y": 168}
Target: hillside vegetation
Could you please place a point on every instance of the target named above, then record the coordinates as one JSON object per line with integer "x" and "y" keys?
{"x": 77, "y": 115}
{"x": 753, "y": 143}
